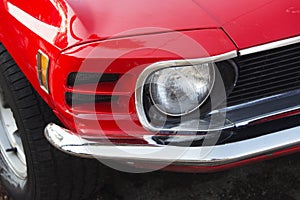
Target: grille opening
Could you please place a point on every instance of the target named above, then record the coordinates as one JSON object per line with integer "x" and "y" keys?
{"x": 81, "y": 78}
{"x": 73, "y": 99}
{"x": 266, "y": 73}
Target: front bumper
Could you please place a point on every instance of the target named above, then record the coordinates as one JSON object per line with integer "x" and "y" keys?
{"x": 205, "y": 156}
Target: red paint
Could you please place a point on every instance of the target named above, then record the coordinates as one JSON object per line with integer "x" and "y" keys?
{"x": 250, "y": 23}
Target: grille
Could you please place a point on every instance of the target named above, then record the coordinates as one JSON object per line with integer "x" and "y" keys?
{"x": 73, "y": 99}
{"x": 90, "y": 78}
{"x": 90, "y": 88}
{"x": 266, "y": 73}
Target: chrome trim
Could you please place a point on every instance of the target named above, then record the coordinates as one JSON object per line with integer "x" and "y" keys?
{"x": 165, "y": 64}
{"x": 247, "y": 113}
{"x": 39, "y": 70}
{"x": 70, "y": 143}
{"x": 269, "y": 46}
{"x": 256, "y": 101}
{"x": 267, "y": 115}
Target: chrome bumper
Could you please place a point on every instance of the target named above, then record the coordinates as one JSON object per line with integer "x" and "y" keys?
{"x": 70, "y": 143}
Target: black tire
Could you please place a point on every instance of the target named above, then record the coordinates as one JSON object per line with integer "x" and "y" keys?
{"x": 51, "y": 174}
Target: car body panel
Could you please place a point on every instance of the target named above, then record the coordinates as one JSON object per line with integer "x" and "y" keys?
{"x": 252, "y": 23}
{"x": 23, "y": 43}
{"x": 105, "y": 18}
{"x": 72, "y": 22}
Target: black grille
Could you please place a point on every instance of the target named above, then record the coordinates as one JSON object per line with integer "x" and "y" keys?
{"x": 75, "y": 99}
{"x": 85, "y": 94}
{"x": 81, "y": 78}
{"x": 266, "y": 73}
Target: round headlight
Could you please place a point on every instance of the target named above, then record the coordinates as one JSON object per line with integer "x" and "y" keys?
{"x": 177, "y": 91}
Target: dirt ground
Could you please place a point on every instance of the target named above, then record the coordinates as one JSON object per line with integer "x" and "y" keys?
{"x": 274, "y": 179}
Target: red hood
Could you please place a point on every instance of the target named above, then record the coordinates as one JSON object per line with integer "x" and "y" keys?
{"x": 248, "y": 23}
{"x": 255, "y": 22}
{"x": 116, "y": 18}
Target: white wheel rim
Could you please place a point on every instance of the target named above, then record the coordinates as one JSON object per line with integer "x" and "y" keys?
{"x": 10, "y": 139}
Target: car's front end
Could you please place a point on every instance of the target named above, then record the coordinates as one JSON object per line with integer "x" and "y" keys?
{"x": 208, "y": 93}
{"x": 225, "y": 106}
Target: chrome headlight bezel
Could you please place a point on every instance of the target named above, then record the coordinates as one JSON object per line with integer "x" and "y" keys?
{"x": 142, "y": 82}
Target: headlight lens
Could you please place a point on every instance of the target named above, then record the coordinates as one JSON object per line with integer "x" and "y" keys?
{"x": 177, "y": 91}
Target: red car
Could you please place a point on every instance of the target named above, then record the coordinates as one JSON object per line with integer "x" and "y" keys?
{"x": 193, "y": 86}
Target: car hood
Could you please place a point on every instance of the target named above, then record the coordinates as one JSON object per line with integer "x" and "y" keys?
{"x": 118, "y": 18}
{"x": 247, "y": 23}
{"x": 255, "y": 22}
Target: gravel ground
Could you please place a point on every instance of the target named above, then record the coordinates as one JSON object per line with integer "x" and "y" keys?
{"x": 273, "y": 179}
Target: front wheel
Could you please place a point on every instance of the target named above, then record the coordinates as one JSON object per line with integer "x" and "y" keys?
{"x": 31, "y": 169}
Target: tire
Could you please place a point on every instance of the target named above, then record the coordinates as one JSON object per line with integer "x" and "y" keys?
{"x": 50, "y": 174}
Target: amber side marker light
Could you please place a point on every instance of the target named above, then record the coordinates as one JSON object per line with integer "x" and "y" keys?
{"x": 42, "y": 70}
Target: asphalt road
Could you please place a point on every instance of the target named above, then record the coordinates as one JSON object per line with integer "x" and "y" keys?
{"x": 273, "y": 179}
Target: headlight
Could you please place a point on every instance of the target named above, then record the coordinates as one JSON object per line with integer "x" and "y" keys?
{"x": 177, "y": 91}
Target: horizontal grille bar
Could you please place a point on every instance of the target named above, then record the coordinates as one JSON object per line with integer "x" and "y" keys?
{"x": 266, "y": 73}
